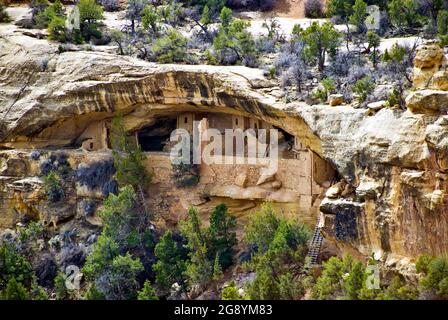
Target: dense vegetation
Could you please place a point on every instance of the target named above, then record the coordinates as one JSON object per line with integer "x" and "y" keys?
{"x": 129, "y": 257}
{"x": 206, "y": 32}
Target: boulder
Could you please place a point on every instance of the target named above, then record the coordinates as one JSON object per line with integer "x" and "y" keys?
{"x": 439, "y": 81}
{"x": 429, "y": 55}
{"x": 437, "y": 137}
{"x": 336, "y": 100}
{"x": 241, "y": 180}
{"x": 428, "y": 101}
{"x": 378, "y": 105}
{"x": 373, "y": 19}
{"x": 430, "y": 59}
{"x": 368, "y": 189}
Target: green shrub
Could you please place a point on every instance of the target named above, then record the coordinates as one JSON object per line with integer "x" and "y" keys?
{"x": 44, "y": 18}
{"x": 37, "y": 6}
{"x": 394, "y": 98}
{"x": 435, "y": 273}
{"x": 128, "y": 157}
{"x": 443, "y": 40}
{"x": 94, "y": 294}
{"x": 398, "y": 290}
{"x": 116, "y": 259}
{"x": 199, "y": 269}
{"x": 53, "y": 187}
{"x": 221, "y": 235}
{"x": 151, "y": 19}
{"x": 363, "y": 87}
{"x": 210, "y": 58}
{"x": 231, "y": 292}
{"x": 279, "y": 247}
{"x": 37, "y": 292}
{"x": 210, "y": 249}
{"x": 402, "y": 14}
{"x": 261, "y": 230}
{"x": 14, "y": 291}
{"x": 33, "y": 231}
{"x": 171, "y": 48}
{"x": 57, "y": 30}
{"x": 171, "y": 262}
{"x": 359, "y": 14}
{"x": 330, "y": 284}
{"x": 147, "y": 292}
{"x": 347, "y": 279}
{"x": 442, "y": 22}
{"x": 272, "y": 72}
{"x": 233, "y": 43}
{"x": 90, "y": 13}
{"x": 14, "y": 266}
{"x": 59, "y": 287}
{"x": 320, "y": 40}
{"x": 374, "y": 42}
{"x": 328, "y": 85}
{"x": 396, "y": 54}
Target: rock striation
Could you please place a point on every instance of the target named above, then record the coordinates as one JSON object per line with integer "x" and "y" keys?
{"x": 392, "y": 164}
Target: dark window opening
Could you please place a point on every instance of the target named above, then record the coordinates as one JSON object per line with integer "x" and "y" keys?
{"x": 286, "y": 144}
{"x": 108, "y": 139}
{"x": 91, "y": 145}
{"x": 236, "y": 121}
{"x": 186, "y": 120}
{"x": 155, "y": 138}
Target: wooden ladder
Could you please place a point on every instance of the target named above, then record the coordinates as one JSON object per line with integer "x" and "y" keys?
{"x": 141, "y": 201}
{"x": 315, "y": 244}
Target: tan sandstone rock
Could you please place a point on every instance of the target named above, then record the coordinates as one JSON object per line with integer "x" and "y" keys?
{"x": 428, "y": 101}
{"x": 429, "y": 59}
{"x": 336, "y": 100}
{"x": 241, "y": 180}
{"x": 66, "y": 92}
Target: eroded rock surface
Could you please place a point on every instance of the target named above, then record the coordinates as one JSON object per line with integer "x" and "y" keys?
{"x": 392, "y": 162}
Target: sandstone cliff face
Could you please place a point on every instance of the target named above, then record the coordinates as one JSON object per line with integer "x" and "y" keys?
{"x": 393, "y": 164}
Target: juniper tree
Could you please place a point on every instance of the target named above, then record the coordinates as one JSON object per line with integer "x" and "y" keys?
{"x": 374, "y": 42}
{"x": 199, "y": 269}
{"x": 358, "y": 15}
{"x": 171, "y": 262}
{"x": 320, "y": 41}
{"x": 90, "y": 13}
{"x": 147, "y": 292}
{"x": 128, "y": 157}
{"x": 233, "y": 42}
{"x": 151, "y": 19}
{"x": 222, "y": 236}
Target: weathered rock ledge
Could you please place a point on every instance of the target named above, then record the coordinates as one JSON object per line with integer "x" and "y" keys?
{"x": 394, "y": 162}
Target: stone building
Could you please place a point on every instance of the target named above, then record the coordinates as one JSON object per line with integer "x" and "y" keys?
{"x": 95, "y": 136}
{"x": 300, "y": 179}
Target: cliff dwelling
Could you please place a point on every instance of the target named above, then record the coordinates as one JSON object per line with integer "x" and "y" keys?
{"x": 296, "y": 188}
{"x": 315, "y": 134}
